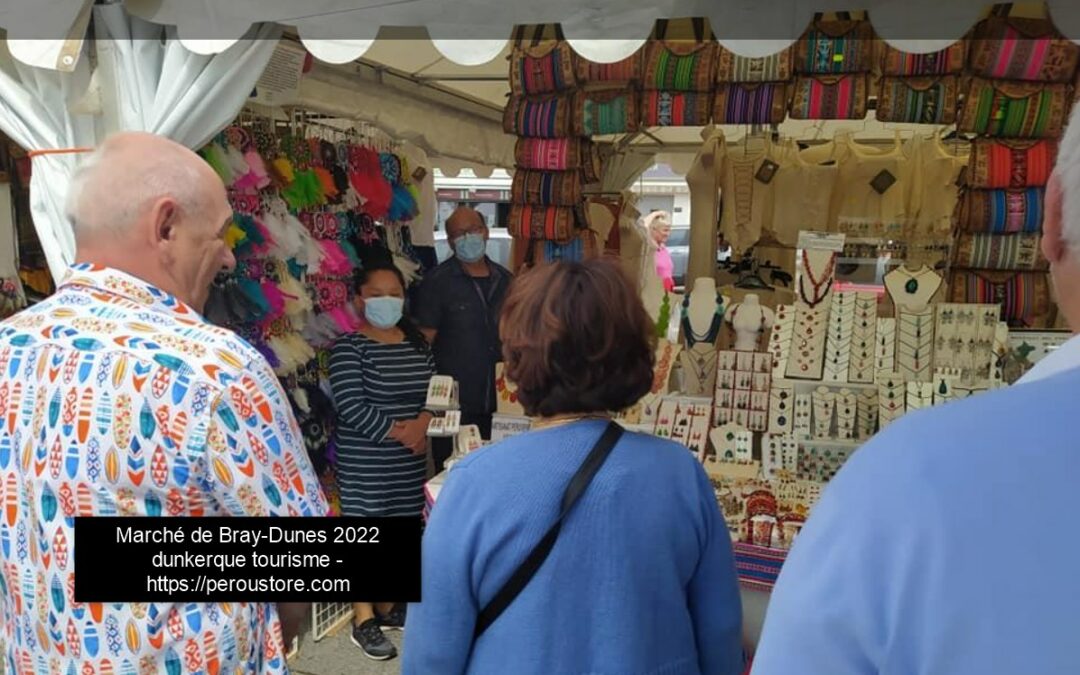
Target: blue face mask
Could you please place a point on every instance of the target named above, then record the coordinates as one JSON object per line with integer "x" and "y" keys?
{"x": 470, "y": 247}
{"x": 384, "y": 312}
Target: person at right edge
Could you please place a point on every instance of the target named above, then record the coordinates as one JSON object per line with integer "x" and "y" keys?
{"x": 458, "y": 312}
{"x": 640, "y": 577}
{"x": 944, "y": 546}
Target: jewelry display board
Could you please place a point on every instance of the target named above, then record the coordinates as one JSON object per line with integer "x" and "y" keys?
{"x": 819, "y": 463}
{"x": 779, "y": 456}
{"x": 885, "y": 354}
{"x": 685, "y": 421}
{"x": 781, "y": 407}
{"x": 964, "y": 339}
{"x": 863, "y": 340}
{"x": 807, "y": 354}
{"x": 838, "y": 340}
{"x": 743, "y": 381}
{"x": 699, "y": 364}
{"x": 780, "y": 339}
{"x": 892, "y": 392}
{"x": 915, "y": 344}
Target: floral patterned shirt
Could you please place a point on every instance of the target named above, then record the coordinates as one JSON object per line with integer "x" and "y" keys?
{"x": 118, "y": 399}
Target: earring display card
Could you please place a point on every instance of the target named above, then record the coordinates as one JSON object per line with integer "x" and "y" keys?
{"x": 846, "y": 415}
{"x": 838, "y": 340}
{"x": 469, "y": 439}
{"x": 964, "y": 339}
{"x": 997, "y": 357}
{"x": 824, "y": 405}
{"x": 919, "y": 395}
{"x": 780, "y": 339}
{"x": 806, "y": 357}
{"x": 867, "y": 413}
{"x": 945, "y": 381}
{"x": 442, "y": 393}
{"x": 436, "y": 427}
{"x": 892, "y": 395}
{"x": 779, "y": 456}
{"x": 781, "y": 408}
{"x": 885, "y": 353}
{"x": 820, "y": 463}
{"x": 743, "y": 381}
{"x": 665, "y": 418}
{"x": 733, "y": 443}
{"x": 915, "y": 344}
{"x": 684, "y": 420}
{"x": 452, "y": 422}
{"x": 863, "y": 335}
{"x": 803, "y": 406}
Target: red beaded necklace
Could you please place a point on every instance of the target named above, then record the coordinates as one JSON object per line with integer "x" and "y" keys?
{"x": 808, "y": 273}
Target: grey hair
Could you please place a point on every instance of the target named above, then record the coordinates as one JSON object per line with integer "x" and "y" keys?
{"x": 1068, "y": 174}
{"x": 112, "y": 187}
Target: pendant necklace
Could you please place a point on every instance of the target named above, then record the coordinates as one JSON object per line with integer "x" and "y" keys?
{"x": 692, "y": 337}
{"x": 826, "y": 280}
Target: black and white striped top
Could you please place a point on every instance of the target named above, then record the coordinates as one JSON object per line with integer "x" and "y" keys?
{"x": 375, "y": 384}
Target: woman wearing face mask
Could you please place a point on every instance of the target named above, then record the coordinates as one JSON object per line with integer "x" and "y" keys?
{"x": 379, "y": 379}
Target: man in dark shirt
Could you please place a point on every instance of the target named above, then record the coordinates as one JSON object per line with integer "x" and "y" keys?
{"x": 458, "y": 310}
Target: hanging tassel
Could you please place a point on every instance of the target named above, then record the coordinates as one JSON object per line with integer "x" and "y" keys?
{"x": 314, "y": 188}
{"x": 253, "y": 292}
{"x": 268, "y": 241}
{"x": 234, "y": 236}
{"x": 286, "y": 244}
{"x": 350, "y": 252}
{"x": 334, "y": 261}
{"x": 402, "y": 204}
{"x": 257, "y": 168}
{"x": 296, "y": 268}
{"x": 267, "y": 353}
{"x": 345, "y": 323}
{"x": 274, "y": 299}
{"x": 283, "y": 170}
{"x": 286, "y": 365}
{"x": 215, "y": 156}
{"x": 297, "y": 301}
{"x": 239, "y": 168}
{"x": 326, "y": 182}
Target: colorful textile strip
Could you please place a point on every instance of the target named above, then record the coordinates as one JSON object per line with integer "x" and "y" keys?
{"x": 1014, "y": 110}
{"x": 947, "y": 61}
{"x": 550, "y": 223}
{"x": 1011, "y": 164}
{"x": 1008, "y": 48}
{"x": 676, "y": 109}
{"x": 621, "y": 72}
{"x": 829, "y": 98}
{"x": 547, "y": 117}
{"x": 750, "y": 104}
{"x": 599, "y": 113}
{"x": 543, "y": 73}
{"x": 835, "y": 47}
{"x": 758, "y": 567}
{"x": 679, "y": 68}
{"x": 1004, "y": 211}
{"x": 546, "y": 188}
{"x": 918, "y": 100}
{"x": 1000, "y": 252}
{"x": 1024, "y": 296}
{"x": 547, "y": 154}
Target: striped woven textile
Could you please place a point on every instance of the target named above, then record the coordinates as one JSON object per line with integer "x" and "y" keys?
{"x": 758, "y": 567}
{"x": 832, "y": 47}
{"x": 734, "y": 68}
{"x": 674, "y": 67}
{"x": 541, "y": 117}
{"x": 542, "y": 70}
{"x": 905, "y": 64}
{"x": 918, "y": 100}
{"x": 764, "y": 103}
{"x": 1011, "y": 164}
{"x": 605, "y": 112}
{"x": 1000, "y": 252}
{"x": 548, "y": 154}
{"x": 1015, "y": 109}
{"x": 1003, "y": 211}
{"x": 1024, "y": 296}
{"x": 830, "y": 98}
{"x": 1036, "y": 53}
{"x": 546, "y": 188}
{"x": 676, "y": 109}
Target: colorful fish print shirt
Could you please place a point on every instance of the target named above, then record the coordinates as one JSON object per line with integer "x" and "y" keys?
{"x": 118, "y": 399}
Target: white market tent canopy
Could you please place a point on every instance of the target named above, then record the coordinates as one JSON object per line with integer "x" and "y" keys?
{"x": 435, "y": 75}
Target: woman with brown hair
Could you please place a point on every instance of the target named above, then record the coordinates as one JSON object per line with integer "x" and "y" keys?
{"x": 577, "y": 547}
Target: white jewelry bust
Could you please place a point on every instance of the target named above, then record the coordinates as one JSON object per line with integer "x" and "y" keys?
{"x": 749, "y": 319}
{"x": 912, "y": 290}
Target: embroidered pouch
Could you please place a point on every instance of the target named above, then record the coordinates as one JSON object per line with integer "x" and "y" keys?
{"x": 764, "y": 103}
{"x": 550, "y": 223}
{"x": 605, "y": 111}
{"x": 829, "y": 97}
{"x": 1002, "y": 211}
{"x": 948, "y": 61}
{"x": 922, "y": 100}
{"x": 1014, "y": 48}
{"x": 1014, "y": 109}
{"x": 544, "y": 68}
{"x": 620, "y": 72}
{"x": 676, "y": 109}
{"x": 1000, "y": 252}
{"x": 546, "y": 188}
{"x": 680, "y": 65}
{"x": 548, "y": 154}
{"x": 538, "y": 117}
{"x": 1011, "y": 164}
{"x": 835, "y": 46}
{"x": 1024, "y": 296}
{"x": 734, "y": 68}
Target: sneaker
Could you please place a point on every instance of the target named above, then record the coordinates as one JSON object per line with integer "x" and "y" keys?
{"x": 395, "y": 620}
{"x": 370, "y": 639}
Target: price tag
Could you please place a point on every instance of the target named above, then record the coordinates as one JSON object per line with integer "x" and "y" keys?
{"x": 821, "y": 241}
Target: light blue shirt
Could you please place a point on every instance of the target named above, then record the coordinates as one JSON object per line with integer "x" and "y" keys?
{"x": 946, "y": 546}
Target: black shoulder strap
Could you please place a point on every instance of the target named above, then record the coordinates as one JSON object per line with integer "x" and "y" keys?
{"x": 532, "y": 563}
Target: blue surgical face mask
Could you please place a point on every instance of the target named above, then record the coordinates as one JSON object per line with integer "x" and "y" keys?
{"x": 384, "y": 312}
{"x": 470, "y": 247}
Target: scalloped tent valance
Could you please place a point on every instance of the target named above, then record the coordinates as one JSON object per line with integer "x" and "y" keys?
{"x": 46, "y": 33}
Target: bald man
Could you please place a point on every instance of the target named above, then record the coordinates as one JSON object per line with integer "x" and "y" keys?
{"x": 458, "y": 309}
{"x": 123, "y": 338}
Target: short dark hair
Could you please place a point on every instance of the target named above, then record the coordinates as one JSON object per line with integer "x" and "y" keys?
{"x": 576, "y": 339}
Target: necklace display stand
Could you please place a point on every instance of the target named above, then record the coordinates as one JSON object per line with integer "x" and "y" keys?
{"x": 867, "y": 411}
{"x": 824, "y": 403}
{"x": 885, "y": 352}
{"x": 846, "y": 414}
{"x": 915, "y": 343}
{"x": 892, "y": 392}
{"x": 803, "y": 406}
{"x": 945, "y": 381}
{"x": 863, "y": 336}
{"x": 919, "y": 395}
{"x": 703, "y": 316}
{"x": 807, "y": 356}
{"x": 912, "y": 290}
{"x": 964, "y": 339}
{"x": 749, "y": 319}
{"x": 781, "y": 408}
{"x": 838, "y": 340}
{"x": 780, "y": 339}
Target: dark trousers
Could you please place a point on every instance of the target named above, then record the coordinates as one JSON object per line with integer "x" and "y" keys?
{"x": 442, "y": 448}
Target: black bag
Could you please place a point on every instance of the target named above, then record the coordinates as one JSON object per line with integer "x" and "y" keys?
{"x": 532, "y": 563}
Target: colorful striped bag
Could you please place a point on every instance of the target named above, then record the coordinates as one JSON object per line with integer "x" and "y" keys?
{"x": 830, "y": 97}
{"x": 676, "y": 109}
{"x": 764, "y": 103}
{"x": 1002, "y": 211}
{"x": 1015, "y": 109}
{"x": 921, "y": 100}
{"x": 1013, "y": 48}
{"x": 1000, "y": 252}
{"x": 948, "y": 61}
{"x": 605, "y": 111}
{"x": 680, "y": 65}
{"x": 550, "y": 223}
{"x": 734, "y": 68}
{"x": 546, "y": 188}
{"x": 830, "y": 47}
{"x": 544, "y": 68}
{"x": 1011, "y": 164}
{"x": 1024, "y": 296}
{"x": 548, "y": 154}
{"x": 538, "y": 117}
{"x": 626, "y": 71}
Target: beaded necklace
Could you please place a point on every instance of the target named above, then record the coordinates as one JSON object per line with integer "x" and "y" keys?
{"x": 692, "y": 337}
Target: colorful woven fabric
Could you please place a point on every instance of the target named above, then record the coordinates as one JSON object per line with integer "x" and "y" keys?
{"x": 1014, "y": 109}
{"x": 948, "y": 61}
{"x": 539, "y": 117}
{"x": 1000, "y": 252}
{"x": 605, "y": 111}
{"x": 676, "y": 109}
{"x": 734, "y": 68}
{"x": 1011, "y": 164}
{"x": 1002, "y": 211}
{"x": 826, "y": 97}
{"x": 832, "y": 47}
{"x": 546, "y": 188}
{"x": 550, "y": 223}
{"x": 1008, "y": 48}
{"x": 592, "y": 164}
{"x": 758, "y": 567}
{"x": 620, "y": 72}
{"x": 680, "y": 65}
{"x": 764, "y": 103}
{"x": 546, "y": 68}
{"x": 1024, "y": 296}
{"x": 548, "y": 154}
{"x": 921, "y": 100}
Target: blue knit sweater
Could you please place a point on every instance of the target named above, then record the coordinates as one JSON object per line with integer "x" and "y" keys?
{"x": 641, "y": 580}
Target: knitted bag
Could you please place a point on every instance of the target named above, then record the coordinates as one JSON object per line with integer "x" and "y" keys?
{"x": 550, "y": 223}
{"x": 1000, "y": 252}
{"x": 1013, "y": 48}
{"x": 734, "y": 68}
{"x": 546, "y": 188}
{"x": 543, "y": 68}
{"x": 830, "y": 97}
{"x": 835, "y": 46}
{"x": 1024, "y": 296}
{"x": 1002, "y": 211}
{"x": 1015, "y": 109}
{"x": 680, "y": 65}
{"x": 921, "y": 100}
{"x": 948, "y": 61}
{"x": 538, "y": 117}
{"x": 1011, "y": 164}
{"x": 676, "y": 109}
{"x": 763, "y": 103}
{"x": 605, "y": 111}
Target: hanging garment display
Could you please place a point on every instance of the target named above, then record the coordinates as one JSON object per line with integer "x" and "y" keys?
{"x": 748, "y": 193}
{"x": 553, "y": 223}
{"x": 1024, "y": 297}
{"x": 1015, "y": 48}
{"x": 918, "y": 100}
{"x": 676, "y": 109}
{"x": 948, "y": 61}
{"x": 830, "y": 97}
{"x": 806, "y": 189}
{"x": 600, "y": 111}
{"x": 873, "y": 189}
{"x": 935, "y": 191}
{"x": 732, "y": 67}
{"x": 751, "y": 103}
{"x": 625, "y": 71}
{"x": 1011, "y": 163}
{"x": 544, "y": 68}
{"x": 546, "y": 188}
{"x": 539, "y": 116}
{"x": 1002, "y": 211}
{"x": 838, "y": 45}
{"x": 1000, "y": 252}
{"x": 1015, "y": 109}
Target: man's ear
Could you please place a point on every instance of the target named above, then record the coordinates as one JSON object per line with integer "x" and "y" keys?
{"x": 164, "y": 215}
{"x": 1053, "y": 235}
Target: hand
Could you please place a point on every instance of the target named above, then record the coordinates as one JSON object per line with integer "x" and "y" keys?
{"x": 412, "y": 433}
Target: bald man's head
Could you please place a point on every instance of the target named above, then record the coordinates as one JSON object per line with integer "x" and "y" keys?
{"x": 148, "y": 206}
{"x": 462, "y": 220}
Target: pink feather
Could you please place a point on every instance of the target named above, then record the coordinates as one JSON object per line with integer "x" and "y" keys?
{"x": 274, "y": 298}
{"x": 259, "y": 174}
{"x": 334, "y": 259}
